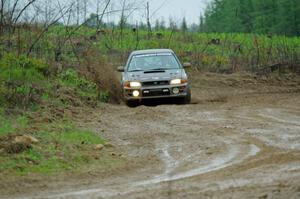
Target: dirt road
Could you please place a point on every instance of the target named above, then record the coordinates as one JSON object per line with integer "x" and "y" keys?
{"x": 232, "y": 142}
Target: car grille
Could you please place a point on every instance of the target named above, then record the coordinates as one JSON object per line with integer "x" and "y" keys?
{"x": 156, "y": 92}
{"x": 155, "y": 83}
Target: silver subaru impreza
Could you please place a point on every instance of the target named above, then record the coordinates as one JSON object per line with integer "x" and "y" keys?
{"x": 151, "y": 74}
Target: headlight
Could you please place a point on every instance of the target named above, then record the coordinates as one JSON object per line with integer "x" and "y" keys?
{"x": 178, "y": 81}
{"x": 135, "y": 93}
{"x": 129, "y": 84}
{"x": 135, "y": 84}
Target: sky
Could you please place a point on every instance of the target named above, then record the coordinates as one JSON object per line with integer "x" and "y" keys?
{"x": 159, "y": 9}
{"x": 178, "y": 9}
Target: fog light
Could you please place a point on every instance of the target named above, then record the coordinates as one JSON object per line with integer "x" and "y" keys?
{"x": 136, "y": 93}
{"x": 175, "y": 90}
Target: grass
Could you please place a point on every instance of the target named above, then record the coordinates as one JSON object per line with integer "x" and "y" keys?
{"x": 8, "y": 125}
{"x": 61, "y": 147}
{"x": 85, "y": 88}
{"x": 5, "y": 126}
{"x": 26, "y": 82}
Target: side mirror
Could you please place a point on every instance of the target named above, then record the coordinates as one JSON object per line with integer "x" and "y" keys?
{"x": 120, "y": 69}
{"x": 187, "y": 65}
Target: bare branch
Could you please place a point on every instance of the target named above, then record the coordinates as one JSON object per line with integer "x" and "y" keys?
{"x": 91, "y": 18}
{"x": 68, "y": 36}
{"x": 2, "y": 15}
{"x": 104, "y": 10}
{"x": 23, "y": 9}
{"x": 46, "y": 29}
{"x": 13, "y": 10}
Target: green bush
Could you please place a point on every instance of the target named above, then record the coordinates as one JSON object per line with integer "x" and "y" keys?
{"x": 84, "y": 87}
{"x": 27, "y": 70}
{"x": 18, "y": 76}
{"x": 104, "y": 96}
{"x": 71, "y": 78}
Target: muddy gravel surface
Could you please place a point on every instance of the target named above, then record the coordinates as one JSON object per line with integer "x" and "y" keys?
{"x": 231, "y": 142}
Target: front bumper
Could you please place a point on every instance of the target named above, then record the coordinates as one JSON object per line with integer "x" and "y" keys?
{"x": 154, "y": 92}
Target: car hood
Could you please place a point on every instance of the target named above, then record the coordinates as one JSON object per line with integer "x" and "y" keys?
{"x": 155, "y": 75}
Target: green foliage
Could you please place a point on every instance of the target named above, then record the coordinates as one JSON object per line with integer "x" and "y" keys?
{"x": 71, "y": 78}
{"x": 104, "y": 96}
{"x": 45, "y": 97}
{"x": 18, "y": 76}
{"x": 235, "y": 50}
{"x": 5, "y": 126}
{"x": 10, "y": 125}
{"x": 255, "y": 16}
{"x": 64, "y": 147}
{"x": 83, "y": 86}
{"x": 184, "y": 26}
{"x": 27, "y": 70}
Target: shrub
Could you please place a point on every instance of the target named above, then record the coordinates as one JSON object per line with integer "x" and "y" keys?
{"x": 84, "y": 88}
{"x": 104, "y": 96}
{"x": 21, "y": 78}
{"x": 71, "y": 78}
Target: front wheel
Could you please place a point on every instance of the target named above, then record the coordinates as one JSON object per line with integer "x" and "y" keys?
{"x": 187, "y": 99}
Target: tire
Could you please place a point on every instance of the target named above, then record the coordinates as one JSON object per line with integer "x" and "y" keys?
{"x": 131, "y": 103}
{"x": 187, "y": 99}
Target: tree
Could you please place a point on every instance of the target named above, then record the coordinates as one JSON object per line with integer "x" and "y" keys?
{"x": 201, "y": 24}
{"x": 259, "y": 16}
{"x": 162, "y": 25}
{"x": 142, "y": 26}
{"x": 148, "y": 20}
{"x": 194, "y": 27}
{"x": 172, "y": 24}
{"x": 92, "y": 20}
{"x": 157, "y": 25}
{"x": 184, "y": 26}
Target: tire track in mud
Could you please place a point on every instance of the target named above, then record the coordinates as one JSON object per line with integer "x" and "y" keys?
{"x": 235, "y": 153}
{"x": 218, "y": 163}
{"x": 238, "y": 128}
{"x": 277, "y": 127}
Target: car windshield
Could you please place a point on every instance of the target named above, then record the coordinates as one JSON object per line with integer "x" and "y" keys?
{"x": 149, "y": 62}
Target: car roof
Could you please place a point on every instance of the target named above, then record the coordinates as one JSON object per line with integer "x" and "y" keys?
{"x": 151, "y": 51}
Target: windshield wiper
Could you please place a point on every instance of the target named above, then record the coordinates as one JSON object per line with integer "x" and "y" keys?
{"x": 161, "y": 69}
{"x": 137, "y": 70}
